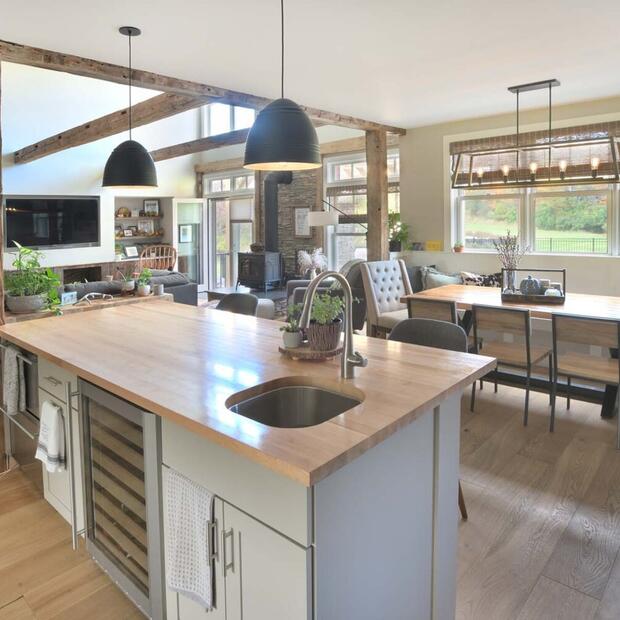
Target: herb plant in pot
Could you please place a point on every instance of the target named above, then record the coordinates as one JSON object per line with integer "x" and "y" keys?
{"x": 325, "y": 322}
{"x": 291, "y": 334}
{"x": 30, "y": 287}
{"x": 398, "y": 232}
{"x": 144, "y": 282}
{"x": 458, "y": 247}
{"x": 128, "y": 282}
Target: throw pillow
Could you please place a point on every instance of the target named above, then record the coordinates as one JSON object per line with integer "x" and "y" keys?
{"x": 432, "y": 278}
{"x": 476, "y": 279}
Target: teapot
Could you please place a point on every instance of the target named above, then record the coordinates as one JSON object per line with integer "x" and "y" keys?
{"x": 530, "y": 286}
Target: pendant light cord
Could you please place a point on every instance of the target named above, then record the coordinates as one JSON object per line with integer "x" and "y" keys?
{"x": 282, "y": 48}
{"x": 129, "y": 85}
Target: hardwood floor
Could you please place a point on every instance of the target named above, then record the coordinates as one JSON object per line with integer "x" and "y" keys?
{"x": 543, "y": 533}
{"x": 41, "y": 577}
{"x": 541, "y": 541}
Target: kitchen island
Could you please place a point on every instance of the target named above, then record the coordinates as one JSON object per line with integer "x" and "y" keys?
{"x": 355, "y": 517}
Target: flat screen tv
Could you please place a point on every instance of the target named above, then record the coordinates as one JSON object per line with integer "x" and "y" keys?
{"x": 52, "y": 222}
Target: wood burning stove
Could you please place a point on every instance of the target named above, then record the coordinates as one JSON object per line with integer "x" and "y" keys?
{"x": 260, "y": 270}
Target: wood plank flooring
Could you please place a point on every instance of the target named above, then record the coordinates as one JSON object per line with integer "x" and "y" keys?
{"x": 542, "y": 540}
{"x": 543, "y": 533}
{"x": 41, "y": 577}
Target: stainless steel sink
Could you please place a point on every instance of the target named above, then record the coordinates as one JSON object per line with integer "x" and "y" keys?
{"x": 292, "y": 406}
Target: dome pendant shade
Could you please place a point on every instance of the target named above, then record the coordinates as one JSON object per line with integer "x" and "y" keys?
{"x": 130, "y": 165}
{"x": 282, "y": 138}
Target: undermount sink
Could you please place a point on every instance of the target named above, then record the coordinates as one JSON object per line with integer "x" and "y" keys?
{"x": 293, "y": 402}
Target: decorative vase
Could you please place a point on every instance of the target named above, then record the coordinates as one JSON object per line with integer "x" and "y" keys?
{"x": 22, "y": 304}
{"x": 311, "y": 274}
{"x": 291, "y": 340}
{"x": 510, "y": 279}
{"x": 128, "y": 285}
{"x": 144, "y": 290}
{"x": 395, "y": 246}
{"x": 324, "y": 337}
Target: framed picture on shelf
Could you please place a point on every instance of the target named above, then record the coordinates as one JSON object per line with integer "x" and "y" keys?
{"x": 134, "y": 230}
{"x": 185, "y": 233}
{"x": 300, "y": 222}
{"x": 151, "y": 207}
{"x": 146, "y": 228}
{"x": 118, "y": 230}
{"x": 131, "y": 251}
{"x": 127, "y": 232}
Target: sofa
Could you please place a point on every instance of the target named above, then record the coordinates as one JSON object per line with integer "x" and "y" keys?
{"x": 183, "y": 291}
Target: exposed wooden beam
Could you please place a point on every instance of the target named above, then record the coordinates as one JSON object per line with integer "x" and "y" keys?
{"x": 377, "y": 195}
{"x": 143, "y": 113}
{"x": 202, "y": 144}
{"x": 77, "y": 65}
{"x": 335, "y": 147}
{"x": 2, "y": 317}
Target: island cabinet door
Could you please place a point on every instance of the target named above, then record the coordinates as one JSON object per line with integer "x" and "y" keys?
{"x": 268, "y": 577}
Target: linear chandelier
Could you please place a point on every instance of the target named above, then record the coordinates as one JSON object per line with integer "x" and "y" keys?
{"x": 552, "y": 161}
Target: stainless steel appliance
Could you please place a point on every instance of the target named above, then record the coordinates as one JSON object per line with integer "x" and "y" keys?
{"x": 121, "y": 447}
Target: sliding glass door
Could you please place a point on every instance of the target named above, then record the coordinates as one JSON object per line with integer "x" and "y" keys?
{"x": 190, "y": 239}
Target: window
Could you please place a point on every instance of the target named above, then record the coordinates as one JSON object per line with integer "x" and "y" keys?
{"x": 550, "y": 220}
{"x": 222, "y": 118}
{"x": 240, "y": 182}
{"x": 346, "y": 190}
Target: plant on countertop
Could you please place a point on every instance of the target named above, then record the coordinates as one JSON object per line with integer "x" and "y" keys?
{"x": 31, "y": 287}
{"x": 325, "y": 323}
{"x": 292, "y": 318}
{"x": 145, "y": 276}
{"x": 398, "y": 232}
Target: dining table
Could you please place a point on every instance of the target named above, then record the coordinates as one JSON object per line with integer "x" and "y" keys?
{"x": 575, "y": 304}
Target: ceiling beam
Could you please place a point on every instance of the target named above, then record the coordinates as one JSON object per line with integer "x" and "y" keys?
{"x": 335, "y": 147}
{"x": 86, "y": 67}
{"x": 143, "y": 113}
{"x": 202, "y": 144}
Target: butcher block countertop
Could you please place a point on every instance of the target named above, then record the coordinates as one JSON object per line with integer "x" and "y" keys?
{"x": 183, "y": 363}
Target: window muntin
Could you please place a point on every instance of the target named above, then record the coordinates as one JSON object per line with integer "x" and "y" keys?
{"x": 237, "y": 183}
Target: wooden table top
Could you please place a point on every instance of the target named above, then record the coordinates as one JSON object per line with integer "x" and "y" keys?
{"x": 576, "y": 304}
{"x": 183, "y": 363}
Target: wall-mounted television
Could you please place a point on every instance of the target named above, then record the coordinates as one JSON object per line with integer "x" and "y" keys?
{"x": 45, "y": 222}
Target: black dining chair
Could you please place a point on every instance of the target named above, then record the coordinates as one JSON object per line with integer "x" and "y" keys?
{"x": 437, "y": 334}
{"x": 239, "y": 303}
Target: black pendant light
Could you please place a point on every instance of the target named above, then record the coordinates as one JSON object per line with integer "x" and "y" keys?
{"x": 130, "y": 164}
{"x": 282, "y": 137}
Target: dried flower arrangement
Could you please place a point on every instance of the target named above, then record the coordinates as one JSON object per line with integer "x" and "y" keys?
{"x": 509, "y": 250}
{"x": 309, "y": 261}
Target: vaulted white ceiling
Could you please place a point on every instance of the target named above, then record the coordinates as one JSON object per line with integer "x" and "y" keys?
{"x": 402, "y": 62}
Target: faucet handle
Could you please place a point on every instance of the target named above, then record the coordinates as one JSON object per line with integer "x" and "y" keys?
{"x": 358, "y": 359}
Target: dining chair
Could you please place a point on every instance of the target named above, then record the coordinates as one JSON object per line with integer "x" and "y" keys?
{"x": 520, "y": 353}
{"x": 576, "y": 330}
{"x": 385, "y": 282}
{"x": 437, "y": 309}
{"x": 441, "y": 335}
{"x": 239, "y": 303}
{"x": 158, "y": 257}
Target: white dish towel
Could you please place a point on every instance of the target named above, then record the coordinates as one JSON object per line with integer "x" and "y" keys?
{"x": 189, "y": 509}
{"x": 13, "y": 381}
{"x": 51, "y": 442}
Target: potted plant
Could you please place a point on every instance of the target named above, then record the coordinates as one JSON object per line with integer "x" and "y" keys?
{"x": 510, "y": 254}
{"x": 128, "y": 283}
{"x": 311, "y": 263}
{"x": 291, "y": 334}
{"x": 325, "y": 322}
{"x": 398, "y": 232}
{"x": 30, "y": 287}
{"x": 458, "y": 247}
{"x": 144, "y": 282}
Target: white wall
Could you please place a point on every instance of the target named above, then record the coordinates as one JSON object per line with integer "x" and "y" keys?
{"x": 37, "y": 104}
{"x": 425, "y": 193}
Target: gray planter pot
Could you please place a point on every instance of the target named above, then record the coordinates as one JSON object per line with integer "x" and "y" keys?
{"x": 25, "y": 303}
{"x": 324, "y": 337}
{"x": 291, "y": 340}
{"x": 128, "y": 285}
{"x": 144, "y": 290}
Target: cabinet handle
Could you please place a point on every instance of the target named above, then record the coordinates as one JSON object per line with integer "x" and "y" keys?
{"x": 71, "y": 462}
{"x": 228, "y": 565}
{"x": 214, "y": 543}
{"x": 53, "y": 381}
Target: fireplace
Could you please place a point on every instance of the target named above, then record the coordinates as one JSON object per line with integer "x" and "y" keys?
{"x": 81, "y": 274}
{"x": 261, "y": 270}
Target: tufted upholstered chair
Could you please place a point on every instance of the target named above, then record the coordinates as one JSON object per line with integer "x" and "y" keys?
{"x": 385, "y": 282}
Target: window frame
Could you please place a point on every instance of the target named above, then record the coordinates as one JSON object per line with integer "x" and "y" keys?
{"x": 527, "y": 216}
{"x": 206, "y": 119}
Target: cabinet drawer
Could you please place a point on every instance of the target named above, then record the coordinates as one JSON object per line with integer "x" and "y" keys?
{"x": 53, "y": 379}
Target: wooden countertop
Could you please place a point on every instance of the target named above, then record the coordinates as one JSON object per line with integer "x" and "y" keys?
{"x": 183, "y": 363}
